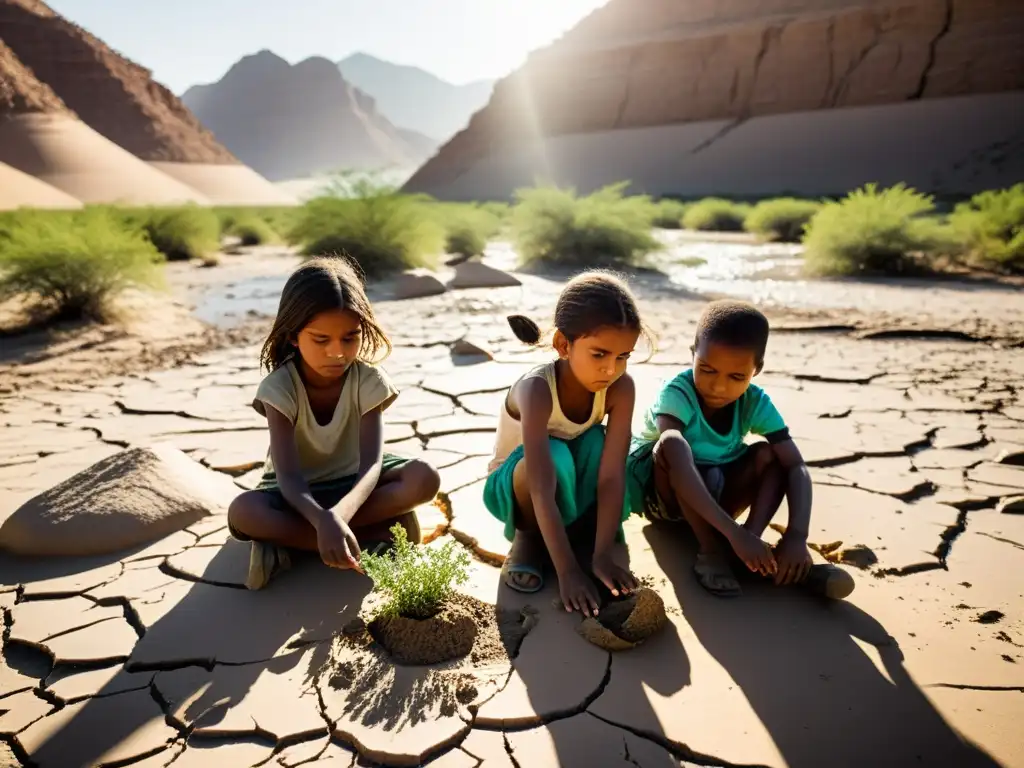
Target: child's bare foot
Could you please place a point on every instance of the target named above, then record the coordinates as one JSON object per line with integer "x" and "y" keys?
{"x": 523, "y": 570}
{"x": 716, "y": 575}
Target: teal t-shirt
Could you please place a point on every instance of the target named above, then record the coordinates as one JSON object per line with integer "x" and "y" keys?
{"x": 753, "y": 413}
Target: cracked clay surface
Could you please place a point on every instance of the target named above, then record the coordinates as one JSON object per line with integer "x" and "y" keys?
{"x": 158, "y": 656}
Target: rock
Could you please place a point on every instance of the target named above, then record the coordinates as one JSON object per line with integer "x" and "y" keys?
{"x": 414, "y": 285}
{"x": 1013, "y": 505}
{"x": 468, "y": 348}
{"x": 133, "y": 497}
{"x": 473, "y": 274}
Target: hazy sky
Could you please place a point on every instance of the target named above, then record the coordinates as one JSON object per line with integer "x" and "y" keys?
{"x": 186, "y": 42}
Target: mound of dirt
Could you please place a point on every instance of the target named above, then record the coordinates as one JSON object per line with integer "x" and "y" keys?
{"x": 465, "y": 628}
{"x": 624, "y": 624}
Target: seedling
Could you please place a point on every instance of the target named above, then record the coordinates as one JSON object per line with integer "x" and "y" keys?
{"x": 416, "y": 580}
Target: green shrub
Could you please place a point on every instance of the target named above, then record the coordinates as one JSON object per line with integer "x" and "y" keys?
{"x": 782, "y": 219}
{"x": 382, "y": 230}
{"x": 467, "y": 227}
{"x": 416, "y": 580}
{"x": 872, "y": 231}
{"x": 252, "y": 230}
{"x": 712, "y": 214}
{"x": 186, "y": 232}
{"x": 499, "y": 211}
{"x": 668, "y": 214}
{"x": 71, "y": 265}
{"x": 554, "y": 226}
{"x": 989, "y": 230}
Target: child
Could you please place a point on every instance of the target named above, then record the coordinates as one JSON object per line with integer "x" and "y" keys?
{"x": 327, "y": 484}
{"x": 553, "y": 464}
{"x": 691, "y": 461}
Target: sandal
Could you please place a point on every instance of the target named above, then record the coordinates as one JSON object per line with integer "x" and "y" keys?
{"x": 524, "y": 558}
{"x": 715, "y": 575}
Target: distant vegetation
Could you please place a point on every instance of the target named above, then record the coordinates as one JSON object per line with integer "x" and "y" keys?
{"x": 989, "y": 229}
{"x": 182, "y": 233}
{"x": 668, "y": 214}
{"x": 874, "y": 231}
{"x": 713, "y": 214}
{"x": 782, "y": 219}
{"x": 556, "y": 227}
{"x": 469, "y": 227}
{"x": 71, "y": 265}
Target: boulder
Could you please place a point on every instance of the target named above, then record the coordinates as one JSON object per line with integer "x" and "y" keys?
{"x": 466, "y": 347}
{"x": 133, "y": 497}
{"x": 473, "y": 274}
{"x": 416, "y": 284}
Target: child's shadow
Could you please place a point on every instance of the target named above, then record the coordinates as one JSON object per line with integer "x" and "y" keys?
{"x": 563, "y": 675}
{"x": 818, "y": 693}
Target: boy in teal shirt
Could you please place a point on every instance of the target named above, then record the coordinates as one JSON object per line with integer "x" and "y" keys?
{"x": 692, "y": 463}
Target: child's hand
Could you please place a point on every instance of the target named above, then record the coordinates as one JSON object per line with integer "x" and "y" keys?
{"x": 338, "y": 546}
{"x": 618, "y": 579}
{"x": 794, "y": 560}
{"x": 754, "y": 552}
{"x": 578, "y": 592}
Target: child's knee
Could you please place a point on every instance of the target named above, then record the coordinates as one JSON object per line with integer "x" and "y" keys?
{"x": 242, "y": 510}
{"x": 423, "y": 479}
{"x": 673, "y": 452}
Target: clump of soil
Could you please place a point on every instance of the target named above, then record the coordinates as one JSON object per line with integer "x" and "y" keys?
{"x": 625, "y": 623}
{"x": 989, "y": 617}
{"x": 465, "y": 628}
{"x": 858, "y": 556}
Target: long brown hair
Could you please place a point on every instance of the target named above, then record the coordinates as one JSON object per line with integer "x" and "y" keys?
{"x": 589, "y": 302}
{"x": 320, "y": 285}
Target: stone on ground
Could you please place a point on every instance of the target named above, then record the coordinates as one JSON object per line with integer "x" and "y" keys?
{"x": 131, "y": 498}
{"x": 474, "y": 274}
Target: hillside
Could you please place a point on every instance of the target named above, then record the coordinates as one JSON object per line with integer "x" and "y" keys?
{"x": 296, "y": 121}
{"x": 113, "y": 95}
{"x": 657, "y": 76}
{"x": 415, "y": 99}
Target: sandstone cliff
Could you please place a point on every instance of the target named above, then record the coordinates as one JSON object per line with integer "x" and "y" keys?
{"x": 114, "y": 96}
{"x": 650, "y": 63}
{"x": 20, "y": 91}
{"x": 292, "y": 122}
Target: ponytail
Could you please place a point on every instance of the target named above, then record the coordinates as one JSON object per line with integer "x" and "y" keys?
{"x": 524, "y": 329}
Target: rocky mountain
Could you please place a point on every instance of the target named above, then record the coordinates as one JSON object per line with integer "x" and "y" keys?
{"x": 113, "y": 95}
{"x": 296, "y": 121}
{"x": 743, "y": 96}
{"x": 415, "y": 99}
{"x": 20, "y": 91}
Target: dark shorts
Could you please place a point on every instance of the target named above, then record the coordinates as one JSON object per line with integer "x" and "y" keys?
{"x": 327, "y": 494}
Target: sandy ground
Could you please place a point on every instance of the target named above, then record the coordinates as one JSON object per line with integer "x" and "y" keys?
{"x": 159, "y": 656}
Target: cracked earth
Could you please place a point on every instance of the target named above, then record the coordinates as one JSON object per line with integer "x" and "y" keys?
{"x": 158, "y": 656}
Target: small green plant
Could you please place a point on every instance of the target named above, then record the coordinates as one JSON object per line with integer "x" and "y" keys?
{"x": 782, "y": 219}
{"x": 382, "y": 230}
{"x": 252, "y": 230}
{"x": 553, "y": 226}
{"x": 668, "y": 214}
{"x": 713, "y": 214}
{"x": 180, "y": 234}
{"x": 989, "y": 229}
{"x": 872, "y": 231}
{"x": 70, "y": 266}
{"x": 416, "y": 580}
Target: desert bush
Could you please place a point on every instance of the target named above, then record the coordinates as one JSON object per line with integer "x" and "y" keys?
{"x": 252, "y": 230}
{"x": 554, "y": 226}
{"x": 989, "y": 229}
{"x": 70, "y": 266}
{"x": 182, "y": 233}
{"x": 382, "y": 230}
{"x": 782, "y": 219}
{"x": 467, "y": 228}
{"x": 713, "y": 214}
{"x": 872, "y": 231}
{"x": 668, "y": 214}
{"x": 416, "y": 580}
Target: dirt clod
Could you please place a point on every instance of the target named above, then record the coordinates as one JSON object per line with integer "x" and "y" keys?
{"x": 989, "y": 617}
{"x": 464, "y": 628}
{"x": 858, "y": 556}
{"x": 625, "y": 623}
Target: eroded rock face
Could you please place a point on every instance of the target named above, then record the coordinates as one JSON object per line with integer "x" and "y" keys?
{"x": 21, "y": 91}
{"x": 647, "y": 63}
{"x": 113, "y": 95}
